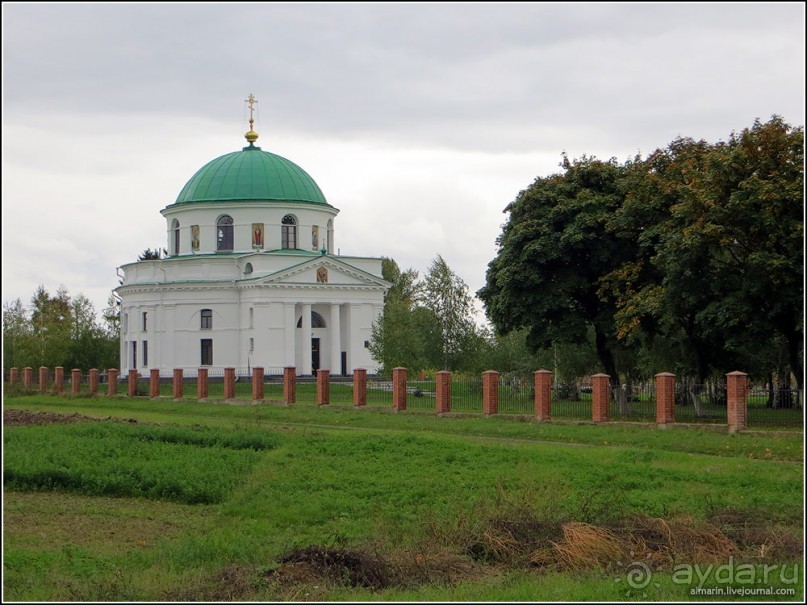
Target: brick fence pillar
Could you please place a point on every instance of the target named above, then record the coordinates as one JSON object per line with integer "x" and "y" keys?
{"x": 543, "y": 394}
{"x": 289, "y": 385}
{"x": 665, "y": 399}
{"x": 43, "y": 379}
{"x": 154, "y": 383}
{"x": 359, "y": 387}
{"x": 229, "y": 383}
{"x": 600, "y": 392}
{"x": 75, "y": 381}
{"x": 58, "y": 379}
{"x": 112, "y": 382}
{"x": 736, "y": 400}
{"x": 28, "y": 377}
{"x": 399, "y": 389}
{"x": 442, "y": 383}
{"x": 133, "y": 376}
{"x": 13, "y": 374}
{"x": 94, "y": 381}
{"x": 178, "y": 383}
{"x": 490, "y": 392}
{"x": 323, "y": 387}
{"x": 201, "y": 383}
{"x": 257, "y": 384}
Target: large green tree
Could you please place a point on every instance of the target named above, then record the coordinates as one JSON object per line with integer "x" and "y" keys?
{"x": 718, "y": 269}
{"x": 552, "y": 253}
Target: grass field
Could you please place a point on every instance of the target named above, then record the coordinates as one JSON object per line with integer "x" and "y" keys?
{"x": 188, "y": 501}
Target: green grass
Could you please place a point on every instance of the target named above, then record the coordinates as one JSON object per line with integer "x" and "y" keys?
{"x": 288, "y": 477}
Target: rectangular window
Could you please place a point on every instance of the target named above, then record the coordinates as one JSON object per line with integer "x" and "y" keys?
{"x": 251, "y": 345}
{"x": 145, "y": 353}
{"x": 288, "y": 237}
{"x": 134, "y": 355}
{"x": 251, "y": 316}
{"x": 145, "y": 321}
{"x": 207, "y": 319}
{"x": 207, "y": 351}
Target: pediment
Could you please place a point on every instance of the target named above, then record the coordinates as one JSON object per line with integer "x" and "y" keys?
{"x": 320, "y": 271}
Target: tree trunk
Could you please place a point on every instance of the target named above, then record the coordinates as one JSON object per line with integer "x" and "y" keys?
{"x": 793, "y": 345}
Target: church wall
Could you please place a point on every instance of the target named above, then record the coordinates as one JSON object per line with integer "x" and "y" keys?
{"x": 244, "y": 215}
{"x": 174, "y": 332}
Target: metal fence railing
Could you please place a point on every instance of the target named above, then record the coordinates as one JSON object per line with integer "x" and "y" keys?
{"x": 771, "y": 406}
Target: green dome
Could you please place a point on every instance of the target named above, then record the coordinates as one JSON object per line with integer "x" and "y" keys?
{"x": 251, "y": 174}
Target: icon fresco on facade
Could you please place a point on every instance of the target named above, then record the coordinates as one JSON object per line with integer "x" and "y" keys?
{"x": 322, "y": 275}
{"x": 194, "y": 237}
{"x": 257, "y": 235}
{"x": 315, "y": 237}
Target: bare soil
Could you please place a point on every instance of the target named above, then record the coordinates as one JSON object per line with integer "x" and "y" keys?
{"x": 26, "y": 418}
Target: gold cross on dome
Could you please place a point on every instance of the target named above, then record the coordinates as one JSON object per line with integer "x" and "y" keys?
{"x": 251, "y": 100}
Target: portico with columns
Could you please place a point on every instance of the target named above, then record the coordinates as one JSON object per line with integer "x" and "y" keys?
{"x": 252, "y": 277}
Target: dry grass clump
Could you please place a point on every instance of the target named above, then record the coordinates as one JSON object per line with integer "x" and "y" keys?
{"x": 584, "y": 547}
{"x": 667, "y": 541}
{"x": 440, "y": 565}
{"x": 659, "y": 542}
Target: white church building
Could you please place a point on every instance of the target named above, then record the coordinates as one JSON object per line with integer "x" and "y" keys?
{"x": 251, "y": 279}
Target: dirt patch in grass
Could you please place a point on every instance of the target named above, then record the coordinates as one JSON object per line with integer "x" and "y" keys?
{"x": 758, "y": 539}
{"x": 26, "y": 418}
{"x": 309, "y": 573}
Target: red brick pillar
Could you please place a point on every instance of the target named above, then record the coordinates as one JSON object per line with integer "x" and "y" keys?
{"x": 490, "y": 392}
{"x": 323, "y": 387}
{"x": 94, "y": 382}
{"x": 43, "y": 379}
{"x": 229, "y": 383}
{"x": 75, "y": 381}
{"x": 133, "y": 376}
{"x": 359, "y": 387}
{"x": 290, "y": 385}
{"x": 257, "y": 384}
{"x": 543, "y": 394}
{"x": 28, "y": 377}
{"x": 600, "y": 393}
{"x": 399, "y": 389}
{"x": 178, "y": 383}
{"x": 154, "y": 383}
{"x": 58, "y": 379}
{"x": 201, "y": 383}
{"x": 665, "y": 398}
{"x": 421, "y": 375}
{"x": 112, "y": 382}
{"x": 736, "y": 400}
{"x": 442, "y": 383}
{"x": 13, "y": 375}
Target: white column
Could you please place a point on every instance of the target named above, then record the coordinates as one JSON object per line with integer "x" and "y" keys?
{"x": 336, "y": 341}
{"x": 354, "y": 343}
{"x": 306, "y": 369}
{"x": 290, "y": 325}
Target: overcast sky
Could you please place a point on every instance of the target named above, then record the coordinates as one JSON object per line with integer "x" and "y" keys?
{"x": 420, "y": 122}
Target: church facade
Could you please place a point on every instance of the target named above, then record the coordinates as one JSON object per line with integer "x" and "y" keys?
{"x": 251, "y": 278}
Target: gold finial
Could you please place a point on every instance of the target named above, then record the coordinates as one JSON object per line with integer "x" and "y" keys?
{"x": 251, "y": 136}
